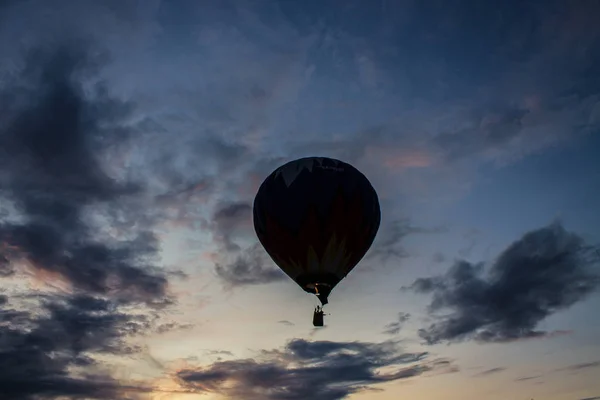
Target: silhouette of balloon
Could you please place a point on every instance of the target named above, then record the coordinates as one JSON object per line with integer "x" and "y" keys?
{"x": 316, "y": 217}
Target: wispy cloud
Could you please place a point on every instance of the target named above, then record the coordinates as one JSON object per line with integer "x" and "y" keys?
{"x": 490, "y": 371}
{"x": 581, "y": 366}
{"x": 393, "y": 328}
{"x": 527, "y": 378}
{"x": 286, "y": 323}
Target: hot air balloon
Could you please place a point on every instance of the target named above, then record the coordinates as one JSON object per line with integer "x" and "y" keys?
{"x": 316, "y": 217}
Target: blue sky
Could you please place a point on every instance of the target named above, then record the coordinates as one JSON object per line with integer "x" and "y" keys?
{"x": 134, "y": 136}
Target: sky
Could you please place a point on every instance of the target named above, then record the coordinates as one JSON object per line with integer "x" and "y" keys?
{"x": 134, "y": 136}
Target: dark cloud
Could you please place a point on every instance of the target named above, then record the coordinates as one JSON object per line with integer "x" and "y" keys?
{"x": 232, "y": 215}
{"x": 545, "y": 271}
{"x": 228, "y": 219}
{"x": 232, "y": 222}
{"x": 317, "y": 370}
{"x": 37, "y": 352}
{"x": 491, "y": 371}
{"x": 393, "y": 328}
{"x": 58, "y": 124}
{"x": 252, "y": 267}
{"x": 68, "y": 219}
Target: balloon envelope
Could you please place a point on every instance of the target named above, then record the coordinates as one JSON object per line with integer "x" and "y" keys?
{"x": 316, "y": 217}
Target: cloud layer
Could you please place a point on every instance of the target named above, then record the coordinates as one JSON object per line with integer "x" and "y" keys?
{"x": 320, "y": 370}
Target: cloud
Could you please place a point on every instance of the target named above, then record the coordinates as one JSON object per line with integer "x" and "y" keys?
{"x": 388, "y": 242}
{"x": 64, "y": 219}
{"x": 510, "y": 94}
{"x": 181, "y": 199}
{"x": 303, "y": 369}
{"x": 393, "y": 328}
{"x": 39, "y": 353}
{"x": 220, "y": 352}
{"x": 286, "y": 323}
{"x": 491, "y": 371}
{"x": 488, "y": 131}
{"x": 545, "y": 271}
{"x": 528, "y": 96}
{"x": 230, "y": 218}
{"x": 581, "y": 366}
{"x": 231, "y": 224}
{"x": 252, "y": 267}
{"x": 52, "y": 138}
{"x": 527, "y": 378}
{"x": 172, "y": 326}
